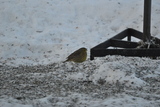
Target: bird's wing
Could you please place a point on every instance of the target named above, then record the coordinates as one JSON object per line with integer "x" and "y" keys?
{"x": 74, "y": 54}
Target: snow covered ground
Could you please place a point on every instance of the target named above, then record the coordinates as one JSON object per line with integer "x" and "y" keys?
{"x": 37, "y": 35}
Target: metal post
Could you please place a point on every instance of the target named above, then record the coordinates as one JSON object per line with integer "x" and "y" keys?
{"x": 147, "y": 21}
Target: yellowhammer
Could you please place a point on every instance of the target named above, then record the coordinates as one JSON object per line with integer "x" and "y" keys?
{"x": 78, "y": 56}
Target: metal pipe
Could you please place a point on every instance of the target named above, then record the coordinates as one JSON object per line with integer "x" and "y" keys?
{"x": 147, "y": 21}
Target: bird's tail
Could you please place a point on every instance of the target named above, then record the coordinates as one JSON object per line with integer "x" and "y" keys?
{"x": 65, "y": 61}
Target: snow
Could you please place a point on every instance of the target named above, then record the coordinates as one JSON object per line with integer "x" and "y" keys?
{"x": 113, "y": 73}
{"x": 37, "y": 36}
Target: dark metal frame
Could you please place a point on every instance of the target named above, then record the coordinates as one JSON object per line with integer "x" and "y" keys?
{"x": 129, "y": 48}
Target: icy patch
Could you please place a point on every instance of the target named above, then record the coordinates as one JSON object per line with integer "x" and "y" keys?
{"x": 116, "y": 72}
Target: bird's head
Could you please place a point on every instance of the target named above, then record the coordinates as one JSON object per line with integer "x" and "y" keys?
{"x": 83, "y": 49}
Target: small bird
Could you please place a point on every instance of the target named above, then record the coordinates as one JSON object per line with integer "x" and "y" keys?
{"x": 78, "y": 56}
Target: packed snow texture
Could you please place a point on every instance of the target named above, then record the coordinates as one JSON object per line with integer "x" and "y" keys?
{"x": 37, "y": 36}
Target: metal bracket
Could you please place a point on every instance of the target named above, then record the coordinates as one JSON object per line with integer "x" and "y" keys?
{"x": 129, "y": 48}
